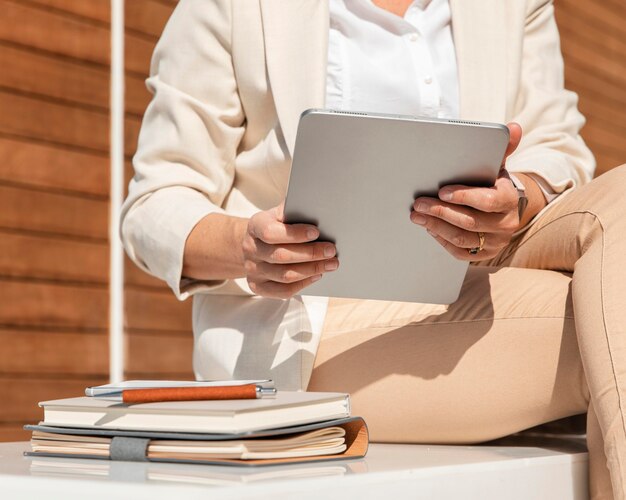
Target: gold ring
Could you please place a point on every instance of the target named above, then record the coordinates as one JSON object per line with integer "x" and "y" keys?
{"x": 481, "y": 244}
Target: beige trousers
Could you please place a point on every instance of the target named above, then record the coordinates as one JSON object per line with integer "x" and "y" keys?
{"x": 538, "y": 334}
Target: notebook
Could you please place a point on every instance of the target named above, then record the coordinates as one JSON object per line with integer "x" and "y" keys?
{"x": 330, "y": 440}
{"x": 242, "y": 416}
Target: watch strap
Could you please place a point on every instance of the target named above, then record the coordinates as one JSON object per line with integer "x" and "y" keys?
{"x": 522, "y": 199}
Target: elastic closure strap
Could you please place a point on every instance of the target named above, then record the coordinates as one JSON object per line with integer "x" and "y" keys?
{"x": 130, "y": 449}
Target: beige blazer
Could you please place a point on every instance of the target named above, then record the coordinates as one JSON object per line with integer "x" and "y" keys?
{"x": 231, "y": 77}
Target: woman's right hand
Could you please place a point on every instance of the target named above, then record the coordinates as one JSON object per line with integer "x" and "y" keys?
{"x": 281, "y": 259}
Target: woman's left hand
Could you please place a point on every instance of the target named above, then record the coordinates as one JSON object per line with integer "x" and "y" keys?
{"x": 460, "y": 213}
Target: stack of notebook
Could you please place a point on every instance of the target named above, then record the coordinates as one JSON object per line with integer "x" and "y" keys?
{"x": 288, "y": 427}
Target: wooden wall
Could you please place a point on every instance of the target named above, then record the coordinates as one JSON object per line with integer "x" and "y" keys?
{"x": 593, "y": 42}
{"x": 54, "y": 126}
{"x": 54, "y": 185}
{"x": 54, "y": 174}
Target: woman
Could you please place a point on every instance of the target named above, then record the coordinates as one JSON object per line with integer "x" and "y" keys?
{"x": 535, "y": 335}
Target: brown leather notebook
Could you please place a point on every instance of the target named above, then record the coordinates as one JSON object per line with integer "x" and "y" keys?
{"x": 331, "y": 440}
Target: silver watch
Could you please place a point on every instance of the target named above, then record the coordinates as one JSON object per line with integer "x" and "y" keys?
{"x": 522, "y": 199}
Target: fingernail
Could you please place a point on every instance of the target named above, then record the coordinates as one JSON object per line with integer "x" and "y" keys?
{"x": 331, "y": 265}
{"x": 418, "y": 219}
{"x": 421, "y": 207}
{"x": 329, "y": 251}
{"x": 316, "y": 278}
{"x": 312, "y": 234}
{"x": 445, "y": 195}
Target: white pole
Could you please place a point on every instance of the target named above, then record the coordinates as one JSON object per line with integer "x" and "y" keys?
{"x": 116, "y": 258}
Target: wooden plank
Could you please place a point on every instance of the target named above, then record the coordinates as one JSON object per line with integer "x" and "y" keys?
{"x": 147, "y": 16}
{"x": 597, "y": 124}
{"x": 31, "y": 256}
{"x": 601, "y": 113}
{"x": 70, "y": 81}
{"x": 129, "y": 171}
{"x": 74, "y": 353}
{"x": 37, "y": 305}
{"x": 606, "y": 162}
{"x": 54, "y": 122}
{"x": 137, "y": 53}
{"x": 132, "y": 124}
{"x": 68, "y": 36}
{"x": 54, "y": 213}
{"x": 52, "y": 167}
{"x": 136, "y": 95}
{"x": 607, "y": 16}
{"x": 54, "y": 32}
{"x": 597, "y": 35}
{"x": 98, "y": 10}
{"x": 135, "y": 277}
{"x": 153, "y": 354}
{"x": 20, "y": 395}
{"x": 154, "y": 310}
{"x": 602, "y": 139}
{"x": 609, "y": 66}
{"x": 616, "y": 6}
{"x": 13, "y": 432}
{"x": 590, "y": 85}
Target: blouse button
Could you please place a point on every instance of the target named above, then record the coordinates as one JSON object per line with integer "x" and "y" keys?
{"x": 414, "y": 37}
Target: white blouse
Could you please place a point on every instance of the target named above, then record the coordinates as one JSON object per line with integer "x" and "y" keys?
{"x": 368, "y": 52}
{"x": 380, "y": 62}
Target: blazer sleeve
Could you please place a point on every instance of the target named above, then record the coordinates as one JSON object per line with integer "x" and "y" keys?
{"x": 184, "y": 164}
{"x": 551, "y": 148}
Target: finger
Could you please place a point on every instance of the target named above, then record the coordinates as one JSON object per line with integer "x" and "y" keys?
{"x": 501, "y": 198}
{"x": 276, "y": 290}
{"x": 266, "y": 227}
{"x": 464, "y": 239}
{"x": 461, "y": 253}
{"x": 280, "y": 273}
{"x": 515, "y": 136}
{"x": 466, "y": 218}
{"x": 462, "y": 217}
{"x": 293, "y": 254}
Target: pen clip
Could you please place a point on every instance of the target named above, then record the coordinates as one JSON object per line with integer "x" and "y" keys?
{"x": 265, "y": 392}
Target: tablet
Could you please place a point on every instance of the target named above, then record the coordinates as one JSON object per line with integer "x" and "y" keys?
{"x": 356, "y": 175}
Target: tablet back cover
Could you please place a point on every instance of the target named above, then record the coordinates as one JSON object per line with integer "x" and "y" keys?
{"x": 356, "y": 176}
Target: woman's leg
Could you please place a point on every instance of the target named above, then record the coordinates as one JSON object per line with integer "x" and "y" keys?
{"x": 503, "y": 357}
{"x": 599, "y": 479}
{"x": 586, "y": 234}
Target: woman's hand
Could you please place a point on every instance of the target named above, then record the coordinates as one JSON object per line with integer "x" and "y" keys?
{"x": 282, "y": 259}
{"x": 461, "y": 213}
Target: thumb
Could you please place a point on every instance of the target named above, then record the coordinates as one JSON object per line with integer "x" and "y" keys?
{"x": 515, "y": 136}
{"x": 279, "y": 212}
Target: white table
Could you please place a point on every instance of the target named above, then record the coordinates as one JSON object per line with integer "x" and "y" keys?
{"x": 388, "y": 471}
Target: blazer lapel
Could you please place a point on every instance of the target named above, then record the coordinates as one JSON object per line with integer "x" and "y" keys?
{"x": 479, "y": 29}
{"x": 296, "y": 45}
